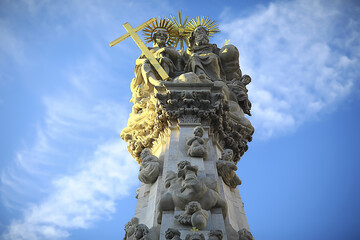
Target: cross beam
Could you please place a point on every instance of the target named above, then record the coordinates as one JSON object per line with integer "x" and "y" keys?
{"x": 132, "y": 32}
{"x": 126, "y": 35}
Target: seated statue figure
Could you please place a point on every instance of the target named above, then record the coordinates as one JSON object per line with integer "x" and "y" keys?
{"x": 167, "y": 56}
{"x": 185, "y": 187}
{"x": 149, "y": 168}
{"x": 226, "y": 169}
{"x": 197, "y": 144}
{"x": 202, "y": 57}
{"x": 193, "y": 215}
{"x": 141, "y": 131}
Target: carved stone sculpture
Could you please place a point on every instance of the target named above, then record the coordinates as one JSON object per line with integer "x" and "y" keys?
{"x": 145, "y": 123}
{"x": 130, "y": 228}
{"x": 172, "y": 234}
{"x": 197, "y": 143}
{"x": 215, "y": 235}
{"x": 202, "y": 57}
{"x": 173, "y": 92}
{"x": 245, "y": 234}
{"x": 226, "y": 169}
{"x": 185, "y": 187}
{"x": 193, "y": 216}
{"x": 195, "y": 236}
{"x": 141, "y": 232}
{"x": 150, "y": 167}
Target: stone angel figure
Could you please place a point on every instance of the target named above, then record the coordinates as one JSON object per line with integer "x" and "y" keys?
{"x": 193, "y": 215}
{"x": 149, "y": 168}
{"x": 172, "y": 234}
{"x": 226, "y": 169}
{"x": 197, "y": 145}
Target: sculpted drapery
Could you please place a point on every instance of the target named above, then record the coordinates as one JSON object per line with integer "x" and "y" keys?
{"x": 207, "y": 63}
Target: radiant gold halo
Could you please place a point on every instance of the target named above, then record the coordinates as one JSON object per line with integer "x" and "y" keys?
{"x": 160, "y": 23}
{"x": 206, "y": 22}
{"x": 181, "y": 30}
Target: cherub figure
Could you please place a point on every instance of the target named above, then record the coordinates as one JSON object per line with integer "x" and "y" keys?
{"x": 193, "y": 215}
{"x": 197, "y": 144}
{"x": 226, "y": 169}
{"x": 150, "y": 167}
{"x": 130, "y": 228}
{"x": 172, "y": 234}
{"x": 141, "y": 232}
{"x": 215, "y": 235}
{"x": 245, "y": 234}
{"x": 238, "y": 86}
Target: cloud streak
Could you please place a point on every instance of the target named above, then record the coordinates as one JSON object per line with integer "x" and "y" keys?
{"x": 80, "y": 199}
{"x": 77, "y": 168}
{"x": 303, "y": 57}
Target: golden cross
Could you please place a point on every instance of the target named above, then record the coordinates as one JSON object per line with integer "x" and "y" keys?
{"x": 131, "y": 32}
{"x": 226, "y": 42}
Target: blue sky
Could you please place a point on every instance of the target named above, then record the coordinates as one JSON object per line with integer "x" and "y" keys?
{"x": 64, "y": 98}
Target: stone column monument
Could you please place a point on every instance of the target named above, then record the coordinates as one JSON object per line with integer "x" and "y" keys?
{"x": 187, "y": 131}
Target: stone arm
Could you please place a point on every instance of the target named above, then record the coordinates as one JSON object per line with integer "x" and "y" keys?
{"x": 216, "y": 50}
{"x": 171, "y": 51}
{"x": 190, "y": 141}
{"x": 232, "y": 166}
{"x": 200, "y": 140}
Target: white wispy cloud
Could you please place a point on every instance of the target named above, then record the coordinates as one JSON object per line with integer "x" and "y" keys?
{"x": 80, "y": 199}
{"x": 81, "y": 163}
{"x": 77, "y": 167}
{"x": 303, "y": 57}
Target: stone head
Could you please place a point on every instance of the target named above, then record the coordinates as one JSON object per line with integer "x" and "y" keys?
{"x": 227, "y": 155}
{"x": 192, "y": 207}
{"x": 200, "y": 36}
{"x": 198, "y": 131}
{"x": 195, "y": 236}
{"x": 171, "y": 233}
{"x": 160, "y": 36}
{"x": 134, "y": 221}
{"x": 141, "y": 230}
{"x": 145, "y": 152}
{"x": 183, "y": 164}
{"x": 246, "y": 79}
{"x": 215, "y": 235}
{"x": 245, "y": 234}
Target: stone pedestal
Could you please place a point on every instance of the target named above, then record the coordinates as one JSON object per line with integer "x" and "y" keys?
{"x": 186, "y": 107}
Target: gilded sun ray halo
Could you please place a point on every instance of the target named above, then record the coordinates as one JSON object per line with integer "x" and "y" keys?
{"x": 206, "y": 22}
{"x": 160, "y": 23}
{"x": 181, "y": 30}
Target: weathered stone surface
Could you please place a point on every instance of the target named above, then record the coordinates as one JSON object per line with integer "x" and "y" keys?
{"x": 215, "y": 235}
{"x": 226, "y": 169}
{"x": 149, "y": 168}
{"x": 197, "y": 145}
{"x": 193, "y": 216}
{"x": 245, "y": 234}
{"x": 172, "y": 234}
{"x": 195, "y": 236}
{"x": 130, "y": 228}
{"x": 185, "y": 187}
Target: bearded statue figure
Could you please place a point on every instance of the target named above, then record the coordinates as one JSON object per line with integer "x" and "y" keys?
{"x": 203, "y": 57}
